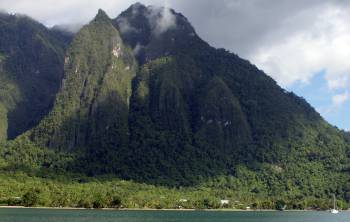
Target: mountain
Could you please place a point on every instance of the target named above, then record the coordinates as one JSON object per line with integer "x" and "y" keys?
{"x": 31, "y": 61}
{"x": 200, "y": 112}
{"x": 142, "y": 97}
{"x": 145, "y": 98}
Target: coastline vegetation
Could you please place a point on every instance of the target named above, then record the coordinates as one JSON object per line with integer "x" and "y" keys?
{"x": 20, "y": 189}
{"x": 32, "y": 176}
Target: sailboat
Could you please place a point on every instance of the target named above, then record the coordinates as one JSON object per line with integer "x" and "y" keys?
{"x": 334, "y": 210}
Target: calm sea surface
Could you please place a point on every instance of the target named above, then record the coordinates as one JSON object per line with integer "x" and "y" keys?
{"x": 43, "y": 215}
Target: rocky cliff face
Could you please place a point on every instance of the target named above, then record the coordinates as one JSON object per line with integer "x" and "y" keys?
{"x": 91, "y": 110}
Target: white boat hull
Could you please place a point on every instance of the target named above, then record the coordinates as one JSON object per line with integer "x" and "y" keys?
{"x": 334, "y": 211}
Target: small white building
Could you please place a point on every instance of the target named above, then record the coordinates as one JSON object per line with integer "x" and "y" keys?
{"x": 224, "y": 202}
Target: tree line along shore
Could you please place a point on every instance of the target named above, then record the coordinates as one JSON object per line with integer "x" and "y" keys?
{"x": 20, "y": 189}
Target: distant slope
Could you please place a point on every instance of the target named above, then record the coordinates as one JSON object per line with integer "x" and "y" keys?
{"x": 31, "y": 69}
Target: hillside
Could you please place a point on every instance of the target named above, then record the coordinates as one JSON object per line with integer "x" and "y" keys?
{"x": 31, "y": 60}
{"x": 144, "y": 98}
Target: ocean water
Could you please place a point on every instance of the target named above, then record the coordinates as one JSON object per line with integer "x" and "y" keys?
{"x": 51, "y": 215}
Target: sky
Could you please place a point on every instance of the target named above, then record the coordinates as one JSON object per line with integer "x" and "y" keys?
{"x": 303, "y": 44}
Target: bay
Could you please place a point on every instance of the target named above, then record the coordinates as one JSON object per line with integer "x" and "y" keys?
{"x": 54, "y": 215}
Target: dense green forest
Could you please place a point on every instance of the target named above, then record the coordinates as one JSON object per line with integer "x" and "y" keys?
{"x": 31, "y": 69}
{"x": 30, "y": 177}
{"x": 131, "y": 115}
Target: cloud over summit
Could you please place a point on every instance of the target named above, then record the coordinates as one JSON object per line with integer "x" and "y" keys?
{"x": 162, "y": 19}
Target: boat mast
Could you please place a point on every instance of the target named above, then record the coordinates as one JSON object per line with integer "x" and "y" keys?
{"x": 334, "y": 201}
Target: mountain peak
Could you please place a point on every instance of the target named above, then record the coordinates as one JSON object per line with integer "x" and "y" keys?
{"x": 101, "y": 16}
{"x": 154, "y": 31}
{"x": 155, "y": 19}
{"x": 137, "y": 5}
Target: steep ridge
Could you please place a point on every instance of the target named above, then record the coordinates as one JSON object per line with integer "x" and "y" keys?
{"x": 91, "y": 109}
{"x": 31, "y": 69}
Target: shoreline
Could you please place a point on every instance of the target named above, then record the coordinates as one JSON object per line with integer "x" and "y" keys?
{"x": 151, "y": 209}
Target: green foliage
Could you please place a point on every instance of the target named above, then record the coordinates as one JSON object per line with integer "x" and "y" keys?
{"x": 31, "y": 198}
{"x": 31, "y": 69}
{"x": 108, "y": 192}
{"x": 280, "y": 205}
{"x": 99, "y": 202}
{"x": 85, "y": 203}
{"x": 116, "y": 202}
{"x": 2, "y": 57}
{"x": 9, "y": 97}
{"x": 22, "y": 154}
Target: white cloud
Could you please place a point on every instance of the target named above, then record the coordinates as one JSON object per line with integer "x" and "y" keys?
{"x": 338, "y": 81}
{"x": 162, "y": 19}
{"x": 124, "y": 26}
{"x": 137, "y": 49}
{"x": 166, "y": 21}
{"x": 324, "y": 44}
{"x": 339, "y": 99}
